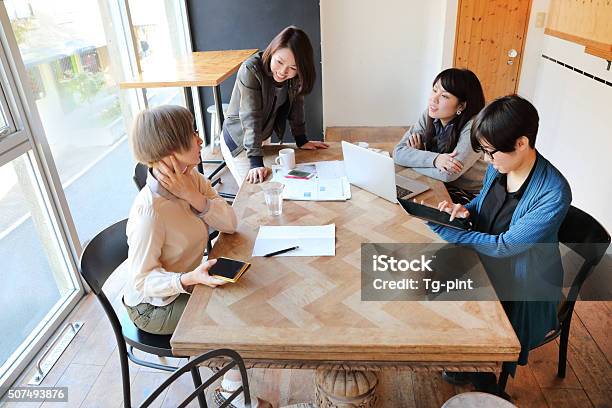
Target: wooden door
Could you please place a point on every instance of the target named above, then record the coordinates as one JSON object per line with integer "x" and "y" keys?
{"x": 489, "y": 40}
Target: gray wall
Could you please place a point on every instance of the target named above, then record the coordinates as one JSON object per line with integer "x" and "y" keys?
{"x": 242, "y": 24}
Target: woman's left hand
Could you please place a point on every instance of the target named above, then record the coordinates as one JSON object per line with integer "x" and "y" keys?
{"x": 314, "y": 145}
{"x": 415, "y": 141}
{"x": 178, "y": 182}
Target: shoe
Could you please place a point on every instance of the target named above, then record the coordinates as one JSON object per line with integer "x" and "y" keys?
{"x": 485, "y": 382}
{"x": 456, "y": 377}
{"x": 219, "y": 399}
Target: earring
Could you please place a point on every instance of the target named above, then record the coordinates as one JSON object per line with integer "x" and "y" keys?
{"x": 458, "y": 112}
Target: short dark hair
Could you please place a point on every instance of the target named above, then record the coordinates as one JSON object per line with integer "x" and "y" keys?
{"x": 298, "y": 42}
{"x": 503, "y": 121}
{"x": 465, "y": 86}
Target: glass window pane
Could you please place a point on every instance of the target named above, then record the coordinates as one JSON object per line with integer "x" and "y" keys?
{"x": 35, "y": 274}
{"x": 5, "y": 126}
{"x": 71, "y": 50}
{"x": 159, "y": 36}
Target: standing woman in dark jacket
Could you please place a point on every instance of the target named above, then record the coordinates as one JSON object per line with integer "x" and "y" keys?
{"x": 269, "y": 91}
{"x": 439, "y": 145}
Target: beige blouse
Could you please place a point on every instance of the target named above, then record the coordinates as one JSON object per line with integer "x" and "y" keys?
{"x": 167, "y": 237}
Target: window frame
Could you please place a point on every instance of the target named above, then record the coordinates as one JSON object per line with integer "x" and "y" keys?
{"x": 26, "y": 135}
{"x": 29, "y": 138}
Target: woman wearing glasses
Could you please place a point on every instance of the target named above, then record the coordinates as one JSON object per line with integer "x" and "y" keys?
{"x": 438, "y": 145}
{"x": 516, "y": 218}
{"x": 269, "y": 92}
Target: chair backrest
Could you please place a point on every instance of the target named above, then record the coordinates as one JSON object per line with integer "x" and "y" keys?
{"x": 103, "y": 254}
{"x": 584, "y": 235}
{"x": 140, "y": 175}
{"x": 235, "y": 360}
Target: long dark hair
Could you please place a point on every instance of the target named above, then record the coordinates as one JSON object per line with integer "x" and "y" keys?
{"x": 463, "y": 84}
{"x": 298, "y": 42}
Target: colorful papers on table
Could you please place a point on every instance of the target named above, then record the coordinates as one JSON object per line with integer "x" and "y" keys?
{"x": 329, "y": 183}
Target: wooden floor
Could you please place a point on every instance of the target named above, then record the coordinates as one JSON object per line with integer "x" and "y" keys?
{"x": 90, "y": 368}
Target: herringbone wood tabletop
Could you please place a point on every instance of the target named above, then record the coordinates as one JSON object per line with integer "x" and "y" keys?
{"x": 304, "y": 311}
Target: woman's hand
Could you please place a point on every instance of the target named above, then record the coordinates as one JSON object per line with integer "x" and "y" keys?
{"x": 314, "y": 145}
{"x": 447, "y": 162}
{"x": 415, "y": 141}
{"x": 179, "y": 182}
{"x": 455, "y": 210}
{"x": 200, "y": 276}
{"x": 258, "y": 174}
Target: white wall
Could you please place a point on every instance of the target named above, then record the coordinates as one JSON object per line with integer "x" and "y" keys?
{"x": 379, "y": 58}
{"x": 532, "y": 50}
{"x": 575, "y": 133}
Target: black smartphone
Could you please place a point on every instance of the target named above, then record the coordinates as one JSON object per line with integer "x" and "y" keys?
{"x": 434, "y": 215}
{"x": 228, "y": 269}
{"x": 299, "y": 174}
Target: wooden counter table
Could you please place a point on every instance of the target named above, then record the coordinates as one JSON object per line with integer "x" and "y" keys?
{"x": 202, "y": 68}
{"x": 306, "y": 312}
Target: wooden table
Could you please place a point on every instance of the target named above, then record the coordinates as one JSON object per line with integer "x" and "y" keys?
{"x": 294, "y": 312}
{"x": 205, "y": 68}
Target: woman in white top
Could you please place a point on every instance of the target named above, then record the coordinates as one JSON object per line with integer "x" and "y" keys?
{"x": 167, "y": 229}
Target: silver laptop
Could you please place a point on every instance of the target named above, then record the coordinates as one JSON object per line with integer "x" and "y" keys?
{"x": 375, "y": 173}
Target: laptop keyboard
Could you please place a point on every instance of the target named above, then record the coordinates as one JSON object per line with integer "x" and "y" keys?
{"x": 402, "y": 192}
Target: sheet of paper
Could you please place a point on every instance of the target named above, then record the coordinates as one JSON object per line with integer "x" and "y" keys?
{"x": 315, "y": 188}
{"x": 330, "y": 169}
{"x": 312, "y": 240}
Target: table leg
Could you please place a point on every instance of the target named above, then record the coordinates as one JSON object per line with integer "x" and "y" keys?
{"x": 219, "y": 106}
{"x": 345, "y": 389}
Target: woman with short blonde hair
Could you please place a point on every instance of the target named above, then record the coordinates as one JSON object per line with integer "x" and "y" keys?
{"x": 168, "y": 225}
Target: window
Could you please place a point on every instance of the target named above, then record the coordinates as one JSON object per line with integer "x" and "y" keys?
{"x": 159, "y": 30}
{"x": 36, "y": 274}
{"x": 60, "y": 186}
{"x": 74, "y": 61}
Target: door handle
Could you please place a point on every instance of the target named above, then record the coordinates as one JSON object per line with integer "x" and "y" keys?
{"x": 512, "y": 53}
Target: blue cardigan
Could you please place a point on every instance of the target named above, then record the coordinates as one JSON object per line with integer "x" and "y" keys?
{"x": 536, "y": 219}
{"x": 537, "y": 216}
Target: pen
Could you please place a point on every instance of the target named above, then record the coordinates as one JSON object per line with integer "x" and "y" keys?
{"x": 281, "y": 251}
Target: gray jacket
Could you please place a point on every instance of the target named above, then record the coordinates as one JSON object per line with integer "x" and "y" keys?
{"x": 252, "y": 107}
{"x": 471, "y": 176}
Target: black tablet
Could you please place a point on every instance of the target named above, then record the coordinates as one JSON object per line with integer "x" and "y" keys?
{"x": 434, "y": 215}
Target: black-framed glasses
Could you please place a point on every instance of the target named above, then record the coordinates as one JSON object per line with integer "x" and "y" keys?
{"x": 489, "y": 153}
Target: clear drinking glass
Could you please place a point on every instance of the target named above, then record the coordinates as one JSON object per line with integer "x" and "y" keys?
{"x": 273, "y": 193}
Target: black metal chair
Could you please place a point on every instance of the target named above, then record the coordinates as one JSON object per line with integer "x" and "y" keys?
{"x": 236, "y": 360}
{"x": 585, "y": 236}
{"x": 101, "y": 256}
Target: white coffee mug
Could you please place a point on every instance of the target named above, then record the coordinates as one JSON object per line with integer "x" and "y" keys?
{"x": 286, "y": 159}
